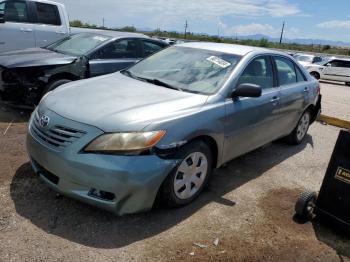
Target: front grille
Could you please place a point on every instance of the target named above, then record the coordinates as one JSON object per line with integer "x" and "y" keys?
{"x": 57, "y": 136}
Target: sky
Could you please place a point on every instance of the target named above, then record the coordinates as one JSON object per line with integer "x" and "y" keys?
{"x": 312, "y": 19}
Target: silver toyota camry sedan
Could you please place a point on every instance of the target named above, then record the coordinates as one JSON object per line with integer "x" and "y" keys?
{"x": 159, "y": 128}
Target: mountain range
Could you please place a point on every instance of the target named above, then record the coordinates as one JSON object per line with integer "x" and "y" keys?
{"x": 303, "y": 41}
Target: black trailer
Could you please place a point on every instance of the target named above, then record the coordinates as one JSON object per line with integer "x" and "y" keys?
{"x": 333, "y": 200}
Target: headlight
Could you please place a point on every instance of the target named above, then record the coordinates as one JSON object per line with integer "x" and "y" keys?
{"x": 132, "y": 143}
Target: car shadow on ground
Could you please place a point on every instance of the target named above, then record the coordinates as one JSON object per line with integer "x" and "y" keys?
{"x": 89, "y": 226}
{"x": 10, "y": 114}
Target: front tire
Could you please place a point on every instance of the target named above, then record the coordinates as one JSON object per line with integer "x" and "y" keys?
{"x": 347, "y": 83}
{"x": 187, "y": 180}
{"x": 298, "y": 134}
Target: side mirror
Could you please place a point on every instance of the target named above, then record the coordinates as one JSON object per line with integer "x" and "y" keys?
{"x": 2, "y": 16}
{"x": 329, "y": 65}
{"x": 247, "y": 90}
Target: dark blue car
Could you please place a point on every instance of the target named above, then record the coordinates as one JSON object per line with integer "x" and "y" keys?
{"x": 26, "y": 75}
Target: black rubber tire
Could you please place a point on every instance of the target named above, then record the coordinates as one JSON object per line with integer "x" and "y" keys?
{"x": 301, "y": 207}
{"x": 315, "y": 75}
{"x": 54, "y": 84}
{"x": 167, "y": 194}
{"x": 347, "y": 83}
{"x": 292, "y": 138}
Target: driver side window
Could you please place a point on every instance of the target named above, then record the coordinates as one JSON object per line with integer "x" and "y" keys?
{"x": 258, "y": 72}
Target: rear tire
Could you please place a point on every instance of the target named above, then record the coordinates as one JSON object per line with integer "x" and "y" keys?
{"x": 315, "y": 75}
{"x": 304, "y": 208}
{"x": 347, "y": 83}
{"x": 187, "y": 180}
{"x": 298, "y": 134}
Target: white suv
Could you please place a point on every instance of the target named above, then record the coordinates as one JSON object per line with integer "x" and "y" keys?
{"x": 336, "y": 69}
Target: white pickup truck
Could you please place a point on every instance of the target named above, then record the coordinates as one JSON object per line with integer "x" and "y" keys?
{"x": 31, "y": 23}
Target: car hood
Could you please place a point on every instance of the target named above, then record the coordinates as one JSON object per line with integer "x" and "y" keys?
{"x": 117, "y": 103}
{"x": 33, "y": 57}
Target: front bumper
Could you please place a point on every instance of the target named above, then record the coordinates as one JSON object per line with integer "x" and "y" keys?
{"x": 133, "y": 180}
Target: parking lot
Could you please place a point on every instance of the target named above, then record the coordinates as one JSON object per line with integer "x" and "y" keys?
{"x": 336, "y": 99}
{"x": 248, "y": 208}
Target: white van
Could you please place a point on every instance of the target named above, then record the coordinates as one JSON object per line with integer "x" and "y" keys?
{"x": 31, "y": 23}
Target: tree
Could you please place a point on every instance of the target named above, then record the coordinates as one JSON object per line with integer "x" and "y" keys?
{"x": 76, "y": 23}
{"x": 127, "y": 29}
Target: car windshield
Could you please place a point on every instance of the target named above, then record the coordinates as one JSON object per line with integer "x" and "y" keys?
{"x": 186, "y": 69}
{"x": 304, "y": 58}
{"x": 79, "y": 44}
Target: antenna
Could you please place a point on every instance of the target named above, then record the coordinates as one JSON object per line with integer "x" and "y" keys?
{"x": 282, "y": 32}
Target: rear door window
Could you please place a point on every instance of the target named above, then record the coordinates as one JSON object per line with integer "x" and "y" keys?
{"x": 126, "y": 48}
{"x": 47, "y": 14}
{"x": 16, "y": 11}
{"x": 346, "y": 64}
{"x": 285, "y": 71}
{"x": 258, "y": 72}
{"x": 150, "y": 47}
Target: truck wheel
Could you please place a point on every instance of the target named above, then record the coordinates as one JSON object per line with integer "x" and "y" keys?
{"x": 54, "y": 84}
{"x": 315, "y": 75}
{"x": 304, "y": 208}
{"x": 298, "y": 134}
{"x": 347, "y": 83}
{"x": 191, "y": 175}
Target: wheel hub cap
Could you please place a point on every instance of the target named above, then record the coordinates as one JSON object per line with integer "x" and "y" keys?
{"x": 190, "y": 175}
{"x": 303, "y": 126}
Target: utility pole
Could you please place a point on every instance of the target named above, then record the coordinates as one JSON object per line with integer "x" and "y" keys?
{"x": 103, "y": 22}
{"x": 218, "y": 30}
{"x": 186, "y": 26}
{"x": 282, "y": 33}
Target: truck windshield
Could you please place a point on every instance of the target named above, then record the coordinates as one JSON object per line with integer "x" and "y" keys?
{"x": 79, "y": 44}
{"x": 186, "y": 69}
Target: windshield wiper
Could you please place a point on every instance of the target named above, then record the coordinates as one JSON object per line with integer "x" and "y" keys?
{"x": 152, "y": 81}
{"x": 161, "y": 83}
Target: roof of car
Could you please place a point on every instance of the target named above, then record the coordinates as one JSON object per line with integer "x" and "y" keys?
{"x": 229, "y": 48}
{"x": 110, "y": 33}
{"x": 48, "y": 2}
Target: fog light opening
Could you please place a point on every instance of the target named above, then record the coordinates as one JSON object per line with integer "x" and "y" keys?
{"x": 107, "y": 196}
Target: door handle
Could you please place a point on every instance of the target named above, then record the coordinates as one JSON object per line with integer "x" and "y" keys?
{"x": 275, "y": 100}
{"x": 306, "y": 90}
{"x": 26, "y": 30}
{"x": 60, "y": 32}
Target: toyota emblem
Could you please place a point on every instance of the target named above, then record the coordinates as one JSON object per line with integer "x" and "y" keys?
{"x": 44, "y": 121}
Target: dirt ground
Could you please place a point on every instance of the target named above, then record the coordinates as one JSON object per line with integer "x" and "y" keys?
{"x": 249, "y": 207}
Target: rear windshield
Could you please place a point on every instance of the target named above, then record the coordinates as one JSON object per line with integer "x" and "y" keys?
{"x": 79, "y": 44}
